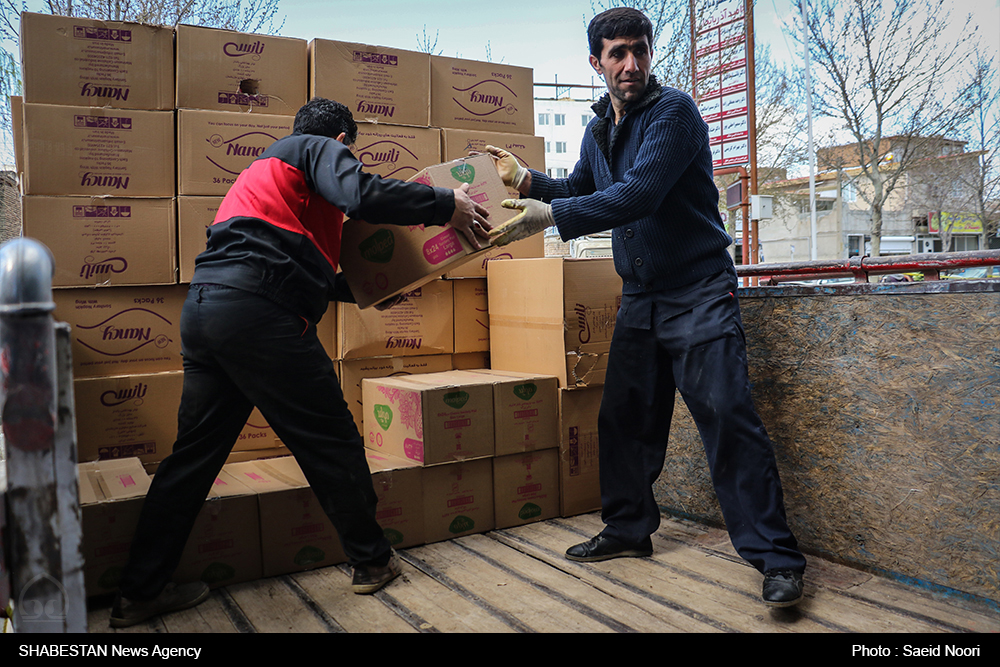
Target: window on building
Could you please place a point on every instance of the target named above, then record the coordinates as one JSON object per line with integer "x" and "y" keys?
{"x": 543, "y": 119}
{"x": 585, "y": 119}
{"x": 557, "y": 172}
{"x": 560, "y": 147}
{"x": 964, "y": 242}
{"x": 548, "y": 146}
{"x": 849, "y": 192}
{"x": 560, "y": 119}
{"x": 856, "y": 244}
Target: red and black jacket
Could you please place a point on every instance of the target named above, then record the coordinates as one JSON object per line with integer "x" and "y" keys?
{"x": 277, "y": 232}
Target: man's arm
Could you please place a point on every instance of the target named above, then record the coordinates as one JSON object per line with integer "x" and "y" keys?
{"x": 670, "y": 142}
{"x": 338, "y": 177}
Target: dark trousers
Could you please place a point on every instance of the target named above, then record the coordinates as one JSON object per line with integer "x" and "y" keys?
{"x": 241, "y": 350}
{"x": 699, "y": 350}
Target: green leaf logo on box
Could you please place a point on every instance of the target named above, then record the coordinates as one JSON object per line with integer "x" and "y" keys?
{"x": 529, "y": 511}
{"x": 383, "y": 415}
{"x": 378, "y": 247}
{"x": 217, "y": 572}
{"x": 456, "y": 399}
{"x": 525, "y": 391}
{"x": 464, "y": 173}
{"x": 394, "y": 536}
{"x": 461, "y": 524}
{"x": 308, "y": 555}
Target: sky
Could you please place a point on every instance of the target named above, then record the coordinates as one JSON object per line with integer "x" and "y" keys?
{"x": 548, "y": 36}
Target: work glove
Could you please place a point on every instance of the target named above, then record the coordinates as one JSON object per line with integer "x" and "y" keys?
{"x": 510, "y": 170}
{"x": 534, "y": 217}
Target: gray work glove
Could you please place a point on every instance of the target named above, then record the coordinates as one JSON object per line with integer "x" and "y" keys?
{"x": 535, "y": 216}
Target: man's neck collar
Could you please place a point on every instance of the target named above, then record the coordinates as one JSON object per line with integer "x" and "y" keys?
{"x": 604, "y": 106}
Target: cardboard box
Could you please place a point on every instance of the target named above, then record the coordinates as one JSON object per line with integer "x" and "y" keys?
{"x": 224, "y": 547}
{"x": 473, "y": 95}
{"x": 381, "y": 261}
{"x": 399, "y": 485}
{"x": 72, "y": 150}
{"x": 525, "y": 409}
{"x": 377, "y": 83}
{"x": 105, "y": 241}
{"x": 111, "y": 497}
{"x": 526, "y": 487}
{"x": 579, "y": 465}
{"x": 428, "y": 419}
{"x": 421, "y": 325}
{"x": 244, "y": 455}
{"x": 17, "y": 129}
{"x": 353, "y": 371}
{"x": 394, "y": 151}
{"x": 530, "y": 152}
{"x": 243, "y": 72}
{"x": 472, "y": 315}
{"x": 79, "y": 61}
{"x": 458, "y": 499}
{"x": 130, "y": 416}
{"x": 528, "y": 149}
{"x": 470, "y": 360}
{"x": 213, "y": 147}
{"x": 123, "y": 330}
{"x": 296, "y": 533}
{"x": 194, "y": 215}
{"x": 256, "y": 435}
{"x": 553, "y": 316}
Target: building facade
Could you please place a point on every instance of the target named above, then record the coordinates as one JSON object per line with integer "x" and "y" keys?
{"x": 929, "y": 210}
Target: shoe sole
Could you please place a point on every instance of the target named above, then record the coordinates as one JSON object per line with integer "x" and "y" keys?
{"x": 786, "y": 603}
{"x": 631, "y": 553}
{"x": 368, "y": 589}
{"x": 127, "y": 623}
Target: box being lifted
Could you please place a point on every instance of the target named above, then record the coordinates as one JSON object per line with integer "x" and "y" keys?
{"x": 381, "y": 261}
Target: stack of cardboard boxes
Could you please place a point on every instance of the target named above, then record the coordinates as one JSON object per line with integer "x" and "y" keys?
{"x": 132, "y": 135}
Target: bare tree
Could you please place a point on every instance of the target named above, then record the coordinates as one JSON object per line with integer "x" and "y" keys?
{"x": 425, "y": 45}
{"x": 981, "y": 105}
{"x": 239, "y": 15}
{"x": 780, "y": 120}
{"x": 885, "y": 68}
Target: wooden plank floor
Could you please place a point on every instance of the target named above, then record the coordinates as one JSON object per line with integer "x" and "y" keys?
{"x": 517, "y": 581}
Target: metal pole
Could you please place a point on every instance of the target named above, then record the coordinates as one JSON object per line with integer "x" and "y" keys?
{"x": 813, "y": 251}
{"x": 42, "y": 497}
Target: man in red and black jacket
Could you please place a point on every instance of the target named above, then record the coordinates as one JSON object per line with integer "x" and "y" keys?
{"x": 248, "y": 334}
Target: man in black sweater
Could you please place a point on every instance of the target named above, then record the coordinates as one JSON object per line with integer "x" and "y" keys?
{"x": 645, "y": 172}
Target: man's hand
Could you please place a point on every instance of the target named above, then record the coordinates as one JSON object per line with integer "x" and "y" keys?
{"x": 511, "y": 172}
{"x": 470, "y": 217}
{"x": 535, "y": 216}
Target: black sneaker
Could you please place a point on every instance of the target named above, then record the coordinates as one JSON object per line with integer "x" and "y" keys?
{"x": 370, "y": 578}
{"x": 126, "y": 613}
{"x": 782, "y": 588}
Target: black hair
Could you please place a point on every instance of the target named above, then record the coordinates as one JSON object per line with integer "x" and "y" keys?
{"x": 617, "y": 22}
{"x": 325, "y": 118}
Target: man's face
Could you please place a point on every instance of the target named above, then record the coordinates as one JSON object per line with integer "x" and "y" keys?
{"x": 625, "y": 63}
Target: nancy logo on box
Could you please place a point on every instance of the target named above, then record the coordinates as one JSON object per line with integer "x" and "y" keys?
{"x": 485, "y": 98}
{"x": 125, "y": 332}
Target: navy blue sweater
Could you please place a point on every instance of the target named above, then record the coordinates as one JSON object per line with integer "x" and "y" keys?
{"x": 649, "y": 179}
